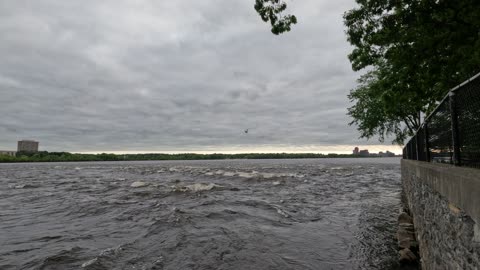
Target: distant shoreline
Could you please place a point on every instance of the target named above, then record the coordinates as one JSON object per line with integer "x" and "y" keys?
{"x": 69, "y": 157}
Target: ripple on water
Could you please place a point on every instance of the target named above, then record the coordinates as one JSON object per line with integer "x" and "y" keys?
{"x": 268, "y": 214}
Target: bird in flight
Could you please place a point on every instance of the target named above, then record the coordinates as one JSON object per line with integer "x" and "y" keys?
{"x": 248, "y": 130}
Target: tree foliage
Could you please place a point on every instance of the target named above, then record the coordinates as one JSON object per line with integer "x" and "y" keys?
{"x": 412, "y": 52}
{"x": 45, "y": 156}
{"x": 272, "y": 11}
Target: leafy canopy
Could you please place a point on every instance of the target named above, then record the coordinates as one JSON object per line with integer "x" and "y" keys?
{"x": 412, "y": 52}
{"x": 272, "y": 11}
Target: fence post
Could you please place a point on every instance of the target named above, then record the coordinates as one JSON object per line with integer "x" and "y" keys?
{"x": 408, "y": 151}
{"x": 455, "y": 135}
{"x": 412, "y": 151}
{"x": 407, "y": 148}
{"x": 427, "y": 143}
{"x": 417, "y": 146}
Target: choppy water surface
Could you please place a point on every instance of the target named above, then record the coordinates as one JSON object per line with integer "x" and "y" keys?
{"x": 253, "y": 214}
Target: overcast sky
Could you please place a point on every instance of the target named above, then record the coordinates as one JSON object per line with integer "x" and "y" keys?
{"x": 183, "y": 75}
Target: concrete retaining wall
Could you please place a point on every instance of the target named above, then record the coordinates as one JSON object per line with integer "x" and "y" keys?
{"x": 444, "y": 202}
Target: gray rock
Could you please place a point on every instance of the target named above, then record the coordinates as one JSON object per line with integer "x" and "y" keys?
{"x": 405, "y": 218}
{"x": 406, "y": 256}
{"x": 407, "y": 226}
{"x": 404, "y": 234}
{"x": 406, "y": 238}
{"x": 402, "y": 244}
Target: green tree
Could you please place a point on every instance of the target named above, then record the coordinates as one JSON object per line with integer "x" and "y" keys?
{"x": 273, "y": 11}
{"x": 412, "y": 52}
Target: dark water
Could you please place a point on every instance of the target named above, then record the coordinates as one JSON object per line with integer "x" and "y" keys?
{"x": 255, "y": 214}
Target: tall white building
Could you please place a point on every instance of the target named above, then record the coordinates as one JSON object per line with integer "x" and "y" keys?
{"x": 27, "y": 146}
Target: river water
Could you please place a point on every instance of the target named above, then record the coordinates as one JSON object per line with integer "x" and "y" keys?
{"x": 229, "y": 214}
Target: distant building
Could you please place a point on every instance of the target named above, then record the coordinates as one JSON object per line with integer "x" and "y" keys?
{"x": 27, "y": 146}
{"x": 356, "y": 151}
{"x": 386, "y": 154}
{"x": 364, "y": 153}
{"x": 8, "y": 153}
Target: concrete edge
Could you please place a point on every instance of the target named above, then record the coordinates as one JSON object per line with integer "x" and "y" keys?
{"x": 460, "y": 186}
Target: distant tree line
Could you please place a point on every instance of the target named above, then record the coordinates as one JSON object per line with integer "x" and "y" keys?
{"x": 45, "y": 156}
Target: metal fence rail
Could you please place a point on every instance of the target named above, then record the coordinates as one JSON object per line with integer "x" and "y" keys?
{"x": 451, "y": 134}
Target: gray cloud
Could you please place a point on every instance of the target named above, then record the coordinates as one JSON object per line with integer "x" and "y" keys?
{"x": 165, "y": 75}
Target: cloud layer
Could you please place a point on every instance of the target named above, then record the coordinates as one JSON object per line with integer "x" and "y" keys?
{"x": 181, "y": 75}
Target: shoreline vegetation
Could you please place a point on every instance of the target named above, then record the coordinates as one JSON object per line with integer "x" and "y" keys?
{"x": 71, "y": 157}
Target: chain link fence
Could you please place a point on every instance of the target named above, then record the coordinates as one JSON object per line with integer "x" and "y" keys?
{"x": 451, "y": 134}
